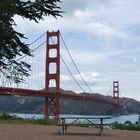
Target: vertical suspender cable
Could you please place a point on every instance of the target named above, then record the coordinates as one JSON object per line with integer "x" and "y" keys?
{"x": 75, "y": 65}
{"x": 70, "y": 72}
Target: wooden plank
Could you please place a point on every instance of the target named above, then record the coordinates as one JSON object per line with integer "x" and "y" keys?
{"x": 81, "y": 118}
{"x": 84, "y": 124}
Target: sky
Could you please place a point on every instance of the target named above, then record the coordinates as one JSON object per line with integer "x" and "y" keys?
{"x": 103, "y": 37}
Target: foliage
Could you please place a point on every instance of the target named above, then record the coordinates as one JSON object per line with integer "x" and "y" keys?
{"x": 128, "y": 125}
{"x": 6, "y": 118}
{"x": 11, "y": 44}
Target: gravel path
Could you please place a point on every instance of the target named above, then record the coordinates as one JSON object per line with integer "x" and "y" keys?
{"x": 40, "y": 132}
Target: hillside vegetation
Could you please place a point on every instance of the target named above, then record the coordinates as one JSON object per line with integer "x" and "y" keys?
{"x": 19, "y": 104}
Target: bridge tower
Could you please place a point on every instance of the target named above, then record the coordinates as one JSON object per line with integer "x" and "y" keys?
{"x": 116, "y": 107}
{"x": 52, "y": 104}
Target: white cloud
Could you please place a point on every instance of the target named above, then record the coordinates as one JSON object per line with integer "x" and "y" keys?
{"x": 85, "y": 57}
{"x": 64, "y": 78}
{"x": 81, "y": 21}
{"x": 89, "y": 77}
{"x": 107, "y": 42}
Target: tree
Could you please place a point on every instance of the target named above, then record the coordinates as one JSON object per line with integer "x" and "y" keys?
{"x": 11, "y": 45}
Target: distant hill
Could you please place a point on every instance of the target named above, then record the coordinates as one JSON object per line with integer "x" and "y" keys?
{"x": 18, "y": 104}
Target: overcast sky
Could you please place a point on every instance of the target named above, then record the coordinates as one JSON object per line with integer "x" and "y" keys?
{"x": 103, "y": 37}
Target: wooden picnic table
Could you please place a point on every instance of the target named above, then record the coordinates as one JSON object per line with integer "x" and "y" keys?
{"x": 74, "y": 121}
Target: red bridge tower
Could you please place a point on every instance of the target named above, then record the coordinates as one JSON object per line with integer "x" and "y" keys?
{"x": 52, "y": 104}
{"x": 116, "y": 109}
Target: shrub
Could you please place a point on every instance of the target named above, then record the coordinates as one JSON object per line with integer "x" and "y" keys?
{"x": 128, "y": 125}
{"x": 5, "y": 117}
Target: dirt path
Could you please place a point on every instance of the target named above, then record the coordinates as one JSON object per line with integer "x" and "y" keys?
{"x": 40, "y": 132}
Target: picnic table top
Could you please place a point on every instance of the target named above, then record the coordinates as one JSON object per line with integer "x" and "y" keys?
{"x": 86, "y": 117}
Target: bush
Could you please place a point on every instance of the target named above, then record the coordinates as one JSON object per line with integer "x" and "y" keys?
{"x": 5, "y": 117}
{"x": 128, "y": 125}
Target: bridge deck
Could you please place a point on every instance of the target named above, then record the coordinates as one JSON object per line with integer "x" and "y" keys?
{"x": 42, "y": 93}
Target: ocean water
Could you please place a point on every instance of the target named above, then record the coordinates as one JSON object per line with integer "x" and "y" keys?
{"x": 122, "y": 118}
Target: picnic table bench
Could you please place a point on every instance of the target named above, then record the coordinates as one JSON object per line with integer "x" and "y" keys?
{"x": 87, "y": 121}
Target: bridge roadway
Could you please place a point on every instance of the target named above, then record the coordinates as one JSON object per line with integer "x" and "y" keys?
{"x": 42, "y": 93}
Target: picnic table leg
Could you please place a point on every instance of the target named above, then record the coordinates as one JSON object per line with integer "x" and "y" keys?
{"x": 101, "y": 131}
{"x": 101, "y": 127}
{"x": 63, "y": 126}
{"x": 59, "y": 130}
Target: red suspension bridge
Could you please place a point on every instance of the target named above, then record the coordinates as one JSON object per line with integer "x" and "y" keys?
{"x": 52, "y": 98}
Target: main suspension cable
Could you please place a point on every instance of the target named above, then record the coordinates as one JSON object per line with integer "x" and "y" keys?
{"x": 70, "y": 71}
{"x": 72, "y": 74}
{"x": 34, "y": 48}
{"x": 31, "y": 51}
{"x": 37, "y": 39}
{"x": 75, "y": 65}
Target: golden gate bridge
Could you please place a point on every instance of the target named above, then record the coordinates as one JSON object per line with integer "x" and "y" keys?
{"x": 52, "y": 97}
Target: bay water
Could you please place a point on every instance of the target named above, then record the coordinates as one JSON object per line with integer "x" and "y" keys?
{"x": 121, "y": 119}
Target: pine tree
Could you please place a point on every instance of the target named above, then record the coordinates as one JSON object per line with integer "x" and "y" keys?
{"x": 11, "y": 45}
